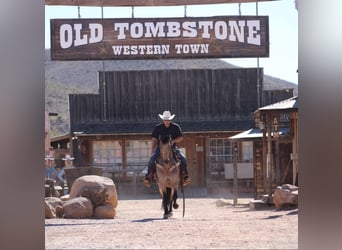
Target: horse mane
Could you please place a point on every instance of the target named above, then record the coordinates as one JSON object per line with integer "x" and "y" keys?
{"x": 166, "y": 154}
{"x": 165, "y": 139}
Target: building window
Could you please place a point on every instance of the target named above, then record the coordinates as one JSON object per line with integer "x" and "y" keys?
{"x": 138, "y": 152}
{"x": 107, "y": 152}
{"x": 220, "y": 153}
{"x": 247, "y": 151}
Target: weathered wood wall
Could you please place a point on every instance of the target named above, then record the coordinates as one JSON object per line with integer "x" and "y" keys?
{"x": 202, "y": 94}
{"x": 84, "y": 108}
{"x": 195, "y": 95}
{"x": 275, "y": 95}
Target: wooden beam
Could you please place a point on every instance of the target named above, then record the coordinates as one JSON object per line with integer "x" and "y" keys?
{"x": 112, "y": 3}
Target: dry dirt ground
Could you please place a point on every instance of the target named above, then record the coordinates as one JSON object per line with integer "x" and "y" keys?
{"x": 208, "y": 223}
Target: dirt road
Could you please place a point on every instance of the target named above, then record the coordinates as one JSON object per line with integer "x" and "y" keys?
{"x": 209, "y": 223}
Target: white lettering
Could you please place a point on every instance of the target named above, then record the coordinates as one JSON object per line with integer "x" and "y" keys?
{"x": 117, "y": 50}
{"x": 165, "y": 49}
{"x": 192, "y": 48}
{"x": 149, "y": 49}
{"x": 204, "y": 48}
{"x": 134, "y": 50}
{"x": 155, "y": 31}
{"x": 78, "y": 39}
{"x": 235, "y": 29}
{"x": 232, "y": 30}
{"x": 205, "y": 25}
{"x": 253, "y": 28}
{"x": 121, "y": 27}
{"x": 173, "y": 29}
{"x": 221, "y": 30}
{"x": 126, "y": 50}
{"x": 96, "y": 32}
{"x": 137, "y": 30}
{"x": 65, "y": 36}
{"x": 189, "y": 29}
{"x": 141, "y": 49}
{"x": 178, "y": 48}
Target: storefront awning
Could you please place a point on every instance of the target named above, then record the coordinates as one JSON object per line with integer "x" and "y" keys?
{"x": 255, "y": 133}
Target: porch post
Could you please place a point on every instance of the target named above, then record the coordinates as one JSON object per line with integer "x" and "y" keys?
{"x": 269, "y": 154}
{"x": 235, "y": 175}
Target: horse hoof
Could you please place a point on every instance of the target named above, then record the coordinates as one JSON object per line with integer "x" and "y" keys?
{"x": 175, "y": 206}
{"x": 166, "y": 216}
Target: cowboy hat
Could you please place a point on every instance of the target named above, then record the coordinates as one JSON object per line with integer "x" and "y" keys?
{"x": 49, "y": 157}
{"x": 167, "y": 116}
{"x": 68, "y": 157}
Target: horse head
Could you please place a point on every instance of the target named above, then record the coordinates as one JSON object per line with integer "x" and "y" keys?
{"x": 164, "y": 139}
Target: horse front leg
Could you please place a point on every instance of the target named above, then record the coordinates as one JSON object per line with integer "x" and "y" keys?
{"x": 166, "y": 202}
{"x": 175, "y": 196}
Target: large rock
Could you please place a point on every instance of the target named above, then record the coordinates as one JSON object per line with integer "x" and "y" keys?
{"x": 285, "y": 196}
{"x": 78, "y": 208}
{"x": 53, "y": 207}
{"x": 100, "y": 190}
{"x": 105, "y": 212}
{"x": 50, "y": 212}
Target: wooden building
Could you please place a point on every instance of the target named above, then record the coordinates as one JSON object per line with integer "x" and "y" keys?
{"x": 112, "y": 129}
{"x": 274, "y": 139}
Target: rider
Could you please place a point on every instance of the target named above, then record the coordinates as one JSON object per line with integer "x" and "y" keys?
{"x": 164, "y": 129}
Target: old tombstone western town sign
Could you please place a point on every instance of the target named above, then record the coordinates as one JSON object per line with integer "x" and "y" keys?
{"x": 159, "y": 38}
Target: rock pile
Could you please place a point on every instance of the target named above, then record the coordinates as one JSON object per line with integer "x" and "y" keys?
{"x": 91, "y": 196}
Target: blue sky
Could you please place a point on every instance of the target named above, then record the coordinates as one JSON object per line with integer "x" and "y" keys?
{"x": 283, "y": 28}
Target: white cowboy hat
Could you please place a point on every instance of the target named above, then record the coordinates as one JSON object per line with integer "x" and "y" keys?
{"x": 49, "y": 157}
{"x": 167, "y": 116}
{"x": 68, "y": 157}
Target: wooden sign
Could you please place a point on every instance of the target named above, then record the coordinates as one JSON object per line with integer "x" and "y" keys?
{"x": 142, "y": 2}
{"x": 159, "y": 38}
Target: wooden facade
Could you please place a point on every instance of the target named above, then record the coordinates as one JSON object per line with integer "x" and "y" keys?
{"x": 275, "y": 151}
{"x": 210, "y": 105}
{"x": 202, "y": 99}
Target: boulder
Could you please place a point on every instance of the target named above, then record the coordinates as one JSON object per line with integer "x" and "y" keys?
{"x": 56, "y": 205}
{"x": 78, "y": 208}
{"x": 65, "y": 197}
{"x": 50, "y": 212}
{"x": 54, "y": 201}
{"x": 285, "y": 196}
{"x": 100, "y": 190}
{"x": 105, "y": 212}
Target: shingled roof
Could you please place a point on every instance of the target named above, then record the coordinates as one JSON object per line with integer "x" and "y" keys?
{"x": 146, "y": 128}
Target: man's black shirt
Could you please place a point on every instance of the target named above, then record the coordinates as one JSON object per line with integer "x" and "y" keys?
{"x": 173, "y": 130}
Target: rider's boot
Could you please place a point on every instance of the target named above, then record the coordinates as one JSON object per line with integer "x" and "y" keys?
{"x": 149, "y": 176}
{"x": 186, "y": 179}
{"x": 184, "y": 175}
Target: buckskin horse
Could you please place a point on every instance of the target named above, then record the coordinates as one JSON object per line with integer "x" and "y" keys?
{"x": 167, "y": 176}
